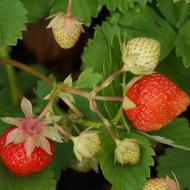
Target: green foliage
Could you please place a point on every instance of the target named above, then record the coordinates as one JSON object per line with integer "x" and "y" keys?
{"x": 13, "y": 19}
{"x": 41, "y": 91}
{"x": 176, "y": 161}
{"x": 125, "y": 177}
{"x": 172, "y": 67}
{"x": 122, "y": 5}
{"x": 169, "y": 134}
{"x": 104, "y": 55}
{"x": 63, "y": 158}
{"x": 144, "y": 21}
{"x": 88, "y": 79}
{"x": 36, "y": 9}
{"x": 41, "y": 181}
{"x": 163, "y": 20}
{"x": 84, "y": 9}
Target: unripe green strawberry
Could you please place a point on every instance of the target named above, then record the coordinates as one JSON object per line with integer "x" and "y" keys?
{"x": 66, "y": 30}
{"x": 161, "y": 184}
{"x": 86, "y": 145}
{"x": 127, "y": 151}
{"x": 147, "y": 52}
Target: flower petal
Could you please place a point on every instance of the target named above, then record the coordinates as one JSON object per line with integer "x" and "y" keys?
{"x": 26, "y": 107}
{"x": 12, "y": 121}
{"x": 52, "y": 134}
{"x": 20, "y": 137}
{"x": 45, "y": 145}
{"x": 29, "y": 146}
{"x": 10, "y": 136}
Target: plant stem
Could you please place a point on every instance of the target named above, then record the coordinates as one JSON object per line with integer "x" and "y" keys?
{"x": 108, "y": 81}
{"x": 47, "y": 108}
{"x": 27, "y": 69}
{"x": 71, "y": 106}
{"x": 15, "y": 91}
{"x": 74, "y": 91}
{"x": 64, "y": 132}
{"x": 104, "y": 120}
{"x": 87, "y": 95}
{"x": 109, "y": 98}
{"x": 69, "y": 9}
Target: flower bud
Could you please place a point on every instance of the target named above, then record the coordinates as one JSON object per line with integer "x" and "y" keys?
{"x": 147, "y": 52}
{"x": 86, "y": 145}
{"x": 127, "y": 151}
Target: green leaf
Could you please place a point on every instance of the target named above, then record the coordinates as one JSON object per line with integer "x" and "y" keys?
{"x": 36, "y": 9}
{"x": 172, "y": 67}
{"x": 13, "y": 19}
{"x": 84, "y": 9}
{"x": 28, "y": 80}
{"x": 41, "y": 91}
{"x": 125, "y": 177}
{"x": 103, "y": 54}
{"x": 40, "y": 181}
{"x": 63, "y": 158}
{"x": 178, "y": 14}
{"x": 183, "y": 44}
{"x": 88, "y": 79}
{"x": 178, "y": 162}
{"x": 145, "y": 22}
{"x": 172, "y": 131}
{"x": 122, "y": 5}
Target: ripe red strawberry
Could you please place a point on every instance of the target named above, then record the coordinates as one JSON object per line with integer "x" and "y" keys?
{"x": 15, "y": 158}
{"x": 158, "y": 101}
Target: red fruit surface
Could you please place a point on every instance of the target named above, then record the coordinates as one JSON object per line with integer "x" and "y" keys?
{"x": 158, "y": 101}
{"x": 15, "y": 158}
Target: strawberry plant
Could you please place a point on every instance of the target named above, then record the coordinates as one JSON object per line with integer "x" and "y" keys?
{"x": 125, "y": 114}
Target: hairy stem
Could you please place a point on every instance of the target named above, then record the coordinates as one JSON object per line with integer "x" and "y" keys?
{"x": 109, "y": 98}
{"x": 14, "y": 87}
{"x": 87, "y": 95}
{"x": 109, "y": 80}
{"x": 47, "y": 108}
{"x": 27, "y": 69}
{"x": 64, "y": 132}
{"x": 104, "y": 120}
{"x": 74, "y": 91}
{"x": 69, "y": 9}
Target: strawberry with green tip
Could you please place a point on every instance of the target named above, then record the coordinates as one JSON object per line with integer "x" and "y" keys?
{"x": 157, "y": 102}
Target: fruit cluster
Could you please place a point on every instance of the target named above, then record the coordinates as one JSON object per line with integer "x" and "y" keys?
{"x": 151, "y": 101}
